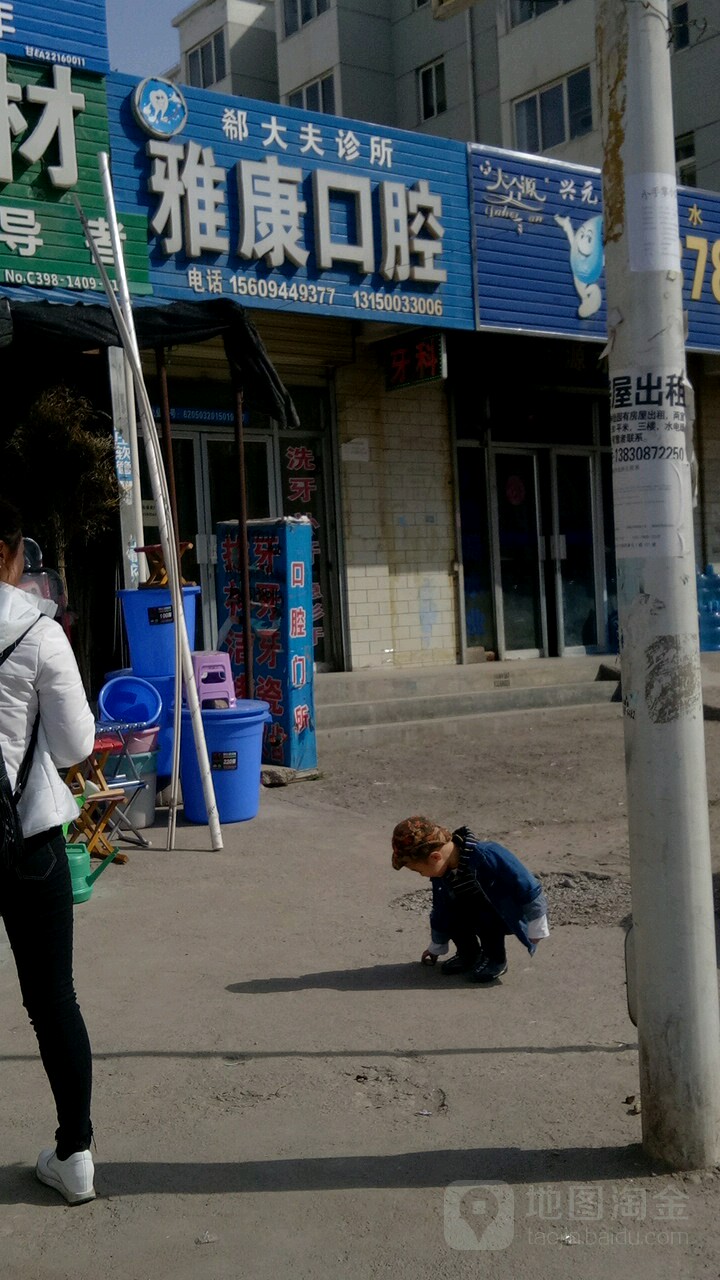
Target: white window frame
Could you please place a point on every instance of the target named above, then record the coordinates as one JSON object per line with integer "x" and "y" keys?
{"x": 676, "y": 27}
{"x": 540, "y": 8}
{"x": 686, "y": 165}
{"x": 536, "y": 95}
{"x": 303, "y": 22}
{"x": 197, "y": 50}
{"x": 303, "y": 88}
{"x": 421, "y": 71}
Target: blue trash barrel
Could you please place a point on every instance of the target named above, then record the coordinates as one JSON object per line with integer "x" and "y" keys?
{"x": 234, "y": 739}
{"x": 165, "y": 686}
{"x": 148, "y": 618}
{"x": 708, "y": 591}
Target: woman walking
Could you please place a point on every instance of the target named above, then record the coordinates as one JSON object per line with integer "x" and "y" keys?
{"x": 45, "y": 725}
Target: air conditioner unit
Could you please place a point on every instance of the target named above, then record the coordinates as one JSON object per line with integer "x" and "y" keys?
{"x": 449, "y": 8}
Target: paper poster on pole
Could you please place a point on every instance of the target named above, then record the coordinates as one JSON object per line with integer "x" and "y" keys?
{"x": 652, "y": 221}
{"x": 651, "y": 470}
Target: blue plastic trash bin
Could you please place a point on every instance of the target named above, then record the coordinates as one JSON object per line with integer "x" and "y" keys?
{"x": 165, "y": 686}
{"x": 234, "y": 739}
{"x": 148, "y": 615}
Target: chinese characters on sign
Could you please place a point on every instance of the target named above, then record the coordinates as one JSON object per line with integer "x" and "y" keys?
{"x": 282, "y": 607}
{"x": 522, "y": 197}
{"x": 191, "y": 215}
{"x": 60, "y": 104}
{"x": 302, "y": 481}
{"x": 650, "y": 461}
{"x": 417, "y": 358}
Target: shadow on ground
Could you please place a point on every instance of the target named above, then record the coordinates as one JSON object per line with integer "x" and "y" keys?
{"x": 408, "y": 1170}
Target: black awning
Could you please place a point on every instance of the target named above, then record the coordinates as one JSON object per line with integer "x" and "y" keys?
{"x": 159, "y": 325}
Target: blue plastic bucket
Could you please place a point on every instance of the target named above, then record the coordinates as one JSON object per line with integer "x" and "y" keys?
{"x": 129, "y": 700}
{"x": 148, "y": 615}
{"x": 234, "y": 739}
{"x": 165, "y": 686}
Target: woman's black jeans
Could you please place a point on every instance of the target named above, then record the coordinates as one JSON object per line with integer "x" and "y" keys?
{"x": 37, "y": 908}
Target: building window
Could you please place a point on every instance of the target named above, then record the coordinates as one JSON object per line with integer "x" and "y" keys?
{"x": 523, "y": 10}
{"x": 685, "y": 166}
{"x": 318, "y": 95}
{"x": 206, "y": 64}
{"x": 431, "y": 88}
{"x": 680, "y": 26}
{"x": 298, "y": 12}
{"x": 554, "y": 115}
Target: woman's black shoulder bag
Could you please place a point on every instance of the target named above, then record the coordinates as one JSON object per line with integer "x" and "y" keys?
{"x": 11, "y": 835}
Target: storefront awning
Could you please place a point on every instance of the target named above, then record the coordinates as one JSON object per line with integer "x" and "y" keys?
{"x": 157, "y": 325}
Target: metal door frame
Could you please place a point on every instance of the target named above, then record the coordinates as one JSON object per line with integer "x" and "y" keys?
{"x": 206, "y": 547}
{"x": 597, "y": 529}
{"x": 528, "y": 452}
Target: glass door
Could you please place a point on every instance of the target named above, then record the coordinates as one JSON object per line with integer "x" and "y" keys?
{"x": 575, "y": 544}
{"x": 518, "y": 554}
{"x": 219, "y": 499}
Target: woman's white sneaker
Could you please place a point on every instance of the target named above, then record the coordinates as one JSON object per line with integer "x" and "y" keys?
{"x": 73, "y": 1177}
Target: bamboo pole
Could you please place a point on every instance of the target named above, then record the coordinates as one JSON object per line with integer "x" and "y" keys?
{"x": 124, "y": 320}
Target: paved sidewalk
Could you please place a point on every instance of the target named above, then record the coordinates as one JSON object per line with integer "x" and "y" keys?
{"x": 282, "y": 1091}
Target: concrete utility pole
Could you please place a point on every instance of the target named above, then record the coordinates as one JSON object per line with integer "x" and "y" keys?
{"x": 651, "y": 414}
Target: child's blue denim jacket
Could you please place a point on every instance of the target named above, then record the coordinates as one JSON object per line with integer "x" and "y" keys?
{"x": 507, "y": 884}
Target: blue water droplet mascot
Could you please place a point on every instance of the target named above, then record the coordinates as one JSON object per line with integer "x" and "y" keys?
{"x": 586, "y": 261}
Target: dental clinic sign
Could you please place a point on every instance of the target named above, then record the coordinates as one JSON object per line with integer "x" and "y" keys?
{"x": 286, "y": 209}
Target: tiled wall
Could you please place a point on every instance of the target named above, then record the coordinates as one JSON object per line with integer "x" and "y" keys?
{"x": 398, "y": 519}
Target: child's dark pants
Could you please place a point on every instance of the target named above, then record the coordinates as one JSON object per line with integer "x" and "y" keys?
{"x": 473, "y": 919}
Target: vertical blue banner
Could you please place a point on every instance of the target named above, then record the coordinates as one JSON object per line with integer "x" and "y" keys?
{"x": 282, "y": 628}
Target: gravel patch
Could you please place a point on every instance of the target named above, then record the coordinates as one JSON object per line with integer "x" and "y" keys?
{"x": 577, "y": 897}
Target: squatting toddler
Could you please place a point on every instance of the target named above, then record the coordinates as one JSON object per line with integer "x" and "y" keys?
{"x": 481, "y": 892}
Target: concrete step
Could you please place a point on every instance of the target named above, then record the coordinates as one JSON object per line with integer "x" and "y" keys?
{"x": 379, "y": 684}
{"x": 472, "y": 701}
{"x": 368, "y": 734}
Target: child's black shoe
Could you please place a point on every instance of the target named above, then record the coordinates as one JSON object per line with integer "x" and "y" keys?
{"x": 462, "y": 962}
{"x": 487, "y": 970}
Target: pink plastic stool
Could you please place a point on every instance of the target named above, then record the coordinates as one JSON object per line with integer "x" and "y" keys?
{"x": 214, "y": 679}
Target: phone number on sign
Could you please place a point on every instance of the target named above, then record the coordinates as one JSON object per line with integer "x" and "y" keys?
{"x": 648, "y": 453}
{"x": 324, "y": 296}
{"x": 50, "y": 280}
{"x": 251, "y": 287}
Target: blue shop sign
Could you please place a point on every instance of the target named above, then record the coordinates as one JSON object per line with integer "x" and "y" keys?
{"x": 293, "y": 210}
{"x": 539, "y": 249}
{"x": 70, "y": 35}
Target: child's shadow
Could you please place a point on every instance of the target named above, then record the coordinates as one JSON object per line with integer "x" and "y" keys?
{"x": 376, "y": 977}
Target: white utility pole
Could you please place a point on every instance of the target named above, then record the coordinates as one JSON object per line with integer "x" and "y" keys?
{"x": 651, "y": 414}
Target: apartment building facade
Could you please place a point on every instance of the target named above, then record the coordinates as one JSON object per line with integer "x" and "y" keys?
{"x": 520, "y": 74}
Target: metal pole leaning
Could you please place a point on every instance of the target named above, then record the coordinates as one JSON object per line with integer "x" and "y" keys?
{"x": 162, "y": 503}
{"x": 159, "y": 486}
{"x": 650, "y": 409}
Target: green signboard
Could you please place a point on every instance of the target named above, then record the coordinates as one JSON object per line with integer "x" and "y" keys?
{"x": 53, "y": 124}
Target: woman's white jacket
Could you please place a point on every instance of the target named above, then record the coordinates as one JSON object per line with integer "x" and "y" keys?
{"x": 41, "y": 673}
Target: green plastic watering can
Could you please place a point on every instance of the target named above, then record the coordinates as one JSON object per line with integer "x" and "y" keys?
{"x": 82, "y": 877}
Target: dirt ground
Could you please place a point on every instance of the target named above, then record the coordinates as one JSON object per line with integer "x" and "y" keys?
{"x": 281, "y": 1090}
